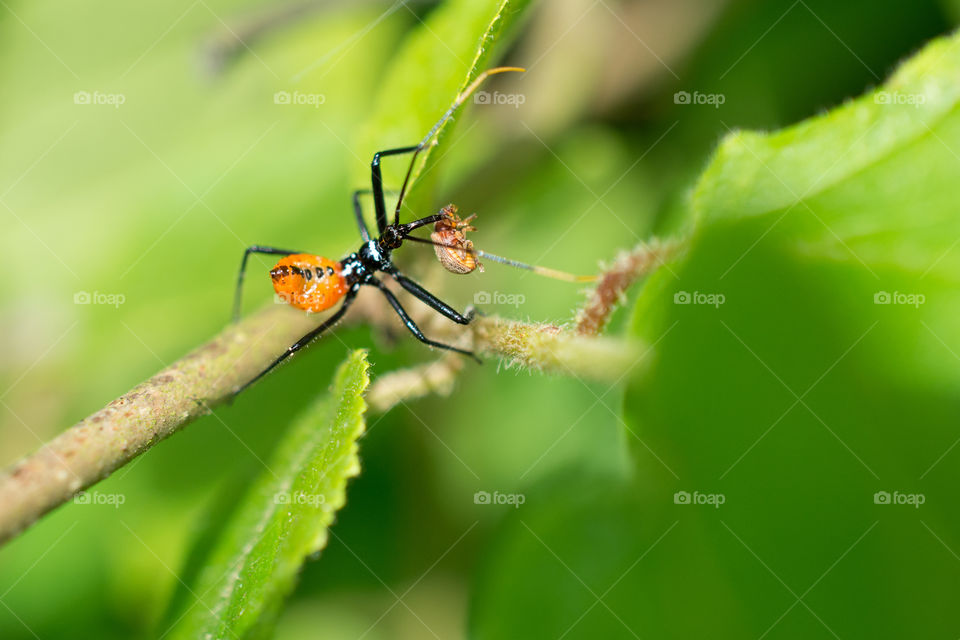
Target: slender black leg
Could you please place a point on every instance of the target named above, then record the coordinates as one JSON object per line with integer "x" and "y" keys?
{"x": 406, "y": 178}
{"x": 358, "y": 212}
{"x": 412, "y": 326}
{"x": 407, "y": 228}
{"x": 423, "y": 144}
{"x": 377, "y": 182}
{"x": 243, "y": 269}
{"x": 305, "y": 340}
{"x": 431, "y": 300}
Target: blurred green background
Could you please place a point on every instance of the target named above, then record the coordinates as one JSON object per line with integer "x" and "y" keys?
{"x": 154, "y": 200}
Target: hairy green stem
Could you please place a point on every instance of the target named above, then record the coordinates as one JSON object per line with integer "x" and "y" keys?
{"x": 96, "y": 446}
{"x": 153, "y": 410}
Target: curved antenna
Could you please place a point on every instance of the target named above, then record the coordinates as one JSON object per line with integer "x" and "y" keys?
{"x": 446, "y": 116}
{"x": 540, "y": 271}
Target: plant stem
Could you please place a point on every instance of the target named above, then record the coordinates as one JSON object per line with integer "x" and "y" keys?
{"x": 98, "y": 445}
{"x": 627, "y": 268}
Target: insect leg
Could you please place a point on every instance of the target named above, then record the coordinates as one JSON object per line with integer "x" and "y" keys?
{"x": 377, "y": 182}
{"x": 406, "y": 229}
{"x": 431, "y": 300}
{"x": 412, "y": 326}
{"x": 305, "y": 340}
{"x": 459, "y": 100}
{"x": 243, "y": 268}
{"x": 358, "y": 212}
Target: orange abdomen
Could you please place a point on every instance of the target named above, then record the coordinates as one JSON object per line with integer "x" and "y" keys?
{"x": 308, "y": 282}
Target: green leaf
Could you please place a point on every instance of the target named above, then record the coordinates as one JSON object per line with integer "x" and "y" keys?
{"x": 281, "y": 521}
{"x": 576, "y": 559}
{"x": 806, "y": 360}
{"x": 452, "y": 46}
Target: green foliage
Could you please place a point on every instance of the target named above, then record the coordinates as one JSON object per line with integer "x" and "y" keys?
{"x": 822, "y": 374}
{"x": 253, "y": 565}
{"x": 436, "y": 61}
{"x": 111, "y": 207}
{"x": 280, "y": 522}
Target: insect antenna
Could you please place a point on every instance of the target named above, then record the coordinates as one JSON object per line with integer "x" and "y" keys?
{"x": 537, "y": 269}
{"x": 446, "y": 116}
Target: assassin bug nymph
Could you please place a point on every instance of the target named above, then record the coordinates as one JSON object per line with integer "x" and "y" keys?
{"x": 314, "y": 283}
